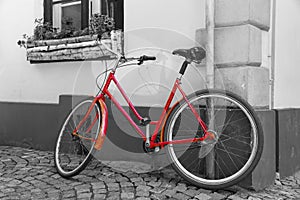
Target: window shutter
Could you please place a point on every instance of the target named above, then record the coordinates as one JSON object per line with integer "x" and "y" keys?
{"x": 119, "y": 13}
{"x": 84, "y": 14}
{"x": 48, "y": 11}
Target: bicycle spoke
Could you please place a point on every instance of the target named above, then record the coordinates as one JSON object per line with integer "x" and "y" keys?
{"x": 232, "y": 154}
{"x": 236, "y": 139}
{"x": 238, "y": 150}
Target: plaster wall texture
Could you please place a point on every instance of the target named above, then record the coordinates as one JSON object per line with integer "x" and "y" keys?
{"x": 166, "y": 27}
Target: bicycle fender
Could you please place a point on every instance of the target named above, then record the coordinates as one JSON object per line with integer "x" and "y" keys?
{"x": 104, "y": 120}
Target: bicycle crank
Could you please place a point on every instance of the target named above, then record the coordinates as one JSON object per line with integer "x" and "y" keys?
{"x": 150, "y": 150}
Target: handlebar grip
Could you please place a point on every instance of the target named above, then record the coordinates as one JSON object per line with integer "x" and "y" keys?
{"x": 151, "y": 58}
{"x": 144, "y": 58}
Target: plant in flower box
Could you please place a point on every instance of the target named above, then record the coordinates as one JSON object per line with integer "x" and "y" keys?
{"x": 49, "y": 43}
{"x": 100, "y": 25}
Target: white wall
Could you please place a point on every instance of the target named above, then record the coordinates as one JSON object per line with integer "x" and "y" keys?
{"x": 21, "y": 81}
{"x": 287, "y": 56}
{"x": 180, "y": 16}
{"x": 155, "y": 25}
{"x": 158, "y": 27}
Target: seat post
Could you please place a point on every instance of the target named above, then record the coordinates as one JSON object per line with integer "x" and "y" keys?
{"x": 184, "y": 66}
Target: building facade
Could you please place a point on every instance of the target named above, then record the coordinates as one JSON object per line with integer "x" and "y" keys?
{"x": 256, "y": 46}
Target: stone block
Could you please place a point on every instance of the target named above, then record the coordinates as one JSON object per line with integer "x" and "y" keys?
{"x": 235, "y": 46}
{"x": 251, "y": 83}
{"x": 265, "y": 171}
{"x": 237, "y": 12}
{"x": 288, "y": 137}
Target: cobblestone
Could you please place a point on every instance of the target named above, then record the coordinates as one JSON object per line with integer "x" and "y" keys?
{"x": 181, "y": 196}
{"x": 203, "y": 196}
{"x": 99, "y": 196}
{"x": 157, "y": 190}
{"x": 143, "y": 188}
{"x": 30, "y": 174}
{"x": 127, "y": 195}
{"x": 141, "y": 193}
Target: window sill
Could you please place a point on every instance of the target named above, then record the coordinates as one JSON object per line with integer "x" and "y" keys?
{"x": 68, "y": 49}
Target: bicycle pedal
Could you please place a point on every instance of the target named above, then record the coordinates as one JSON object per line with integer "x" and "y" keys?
{"x": 156, "y": 149}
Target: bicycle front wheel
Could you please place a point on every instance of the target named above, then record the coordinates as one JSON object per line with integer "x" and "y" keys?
{"x": 73, "y": 151}
{"x": 233, "y": 152}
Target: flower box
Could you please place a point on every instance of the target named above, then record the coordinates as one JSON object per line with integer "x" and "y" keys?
{"x": 72, "y": 49}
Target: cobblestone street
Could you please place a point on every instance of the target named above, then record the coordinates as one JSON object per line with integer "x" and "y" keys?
{"x": 30, "y": 174}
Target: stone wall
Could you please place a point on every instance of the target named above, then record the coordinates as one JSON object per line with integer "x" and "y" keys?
{"x": 239, "y": 55}
{"x": 239, "y": 44}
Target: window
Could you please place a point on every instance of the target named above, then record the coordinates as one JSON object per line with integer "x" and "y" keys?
{"x": 114, "y": 9}
{"x": 78, "y": 12}
{"x": 67, "y": 12}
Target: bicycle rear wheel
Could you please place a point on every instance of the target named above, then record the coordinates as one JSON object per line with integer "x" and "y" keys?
{"x": 74, "y": 151}
{"x": 231, "y": 155}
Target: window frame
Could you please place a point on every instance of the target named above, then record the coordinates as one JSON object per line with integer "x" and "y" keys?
{"x": 78, "y": 48}
{"x": 88, "y": 7}
{"x": 57, "y": 12}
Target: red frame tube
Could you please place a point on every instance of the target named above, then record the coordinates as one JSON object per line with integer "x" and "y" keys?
{"x": 203, "y": 125}
{"x": 85, "y": 117}
{"x": 158, "y": 123}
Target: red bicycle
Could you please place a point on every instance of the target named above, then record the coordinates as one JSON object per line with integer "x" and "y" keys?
{"x": 212, "y": 137}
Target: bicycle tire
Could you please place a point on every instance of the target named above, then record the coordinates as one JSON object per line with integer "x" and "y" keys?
{"x": 73, "y": 153}
{"x": 233, "y": 155}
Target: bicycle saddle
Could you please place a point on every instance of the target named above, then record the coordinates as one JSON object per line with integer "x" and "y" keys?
{"x": 195, "y": 54}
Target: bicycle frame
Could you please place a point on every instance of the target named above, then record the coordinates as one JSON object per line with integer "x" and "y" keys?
{"x": 158, "y": 124}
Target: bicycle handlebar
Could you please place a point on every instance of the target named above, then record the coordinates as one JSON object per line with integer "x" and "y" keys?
{"x": 140, "y": 60}
{"x": 145, "y": 58}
